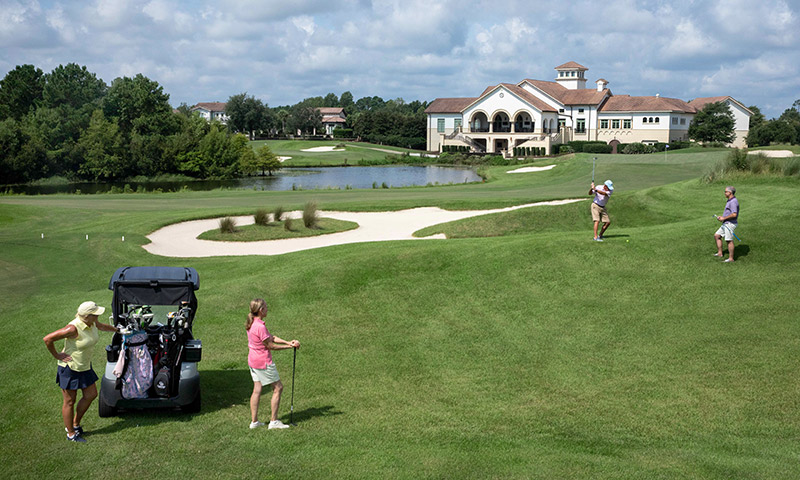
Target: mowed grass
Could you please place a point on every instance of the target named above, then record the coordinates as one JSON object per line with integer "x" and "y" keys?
{"x": 350, "y": 154}
{"x": 536, "y": 354}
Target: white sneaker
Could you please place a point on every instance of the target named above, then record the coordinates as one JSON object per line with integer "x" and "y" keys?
{"x": 277, "y": 424}
{"x": 256, "y": 424}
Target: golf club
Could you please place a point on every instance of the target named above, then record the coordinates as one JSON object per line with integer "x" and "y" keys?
{"x": 593, "y": 162}
{"x": 291, "y": 408}
{"x": 727, "y": 228}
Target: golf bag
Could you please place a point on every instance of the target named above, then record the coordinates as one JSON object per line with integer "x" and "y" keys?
{"x": 137, "y": 372}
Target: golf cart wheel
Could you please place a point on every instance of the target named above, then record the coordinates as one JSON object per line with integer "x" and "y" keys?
{"x": 104, "y": 409}
{"x": 193, "y": 407}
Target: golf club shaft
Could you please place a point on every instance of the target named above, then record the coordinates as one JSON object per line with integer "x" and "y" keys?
{"x": 732, "y": 232}
{"x": 291, "y": 408}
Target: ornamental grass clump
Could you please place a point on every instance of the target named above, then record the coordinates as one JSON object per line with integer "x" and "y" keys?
{"x": 261, "y": 217}
{"x": 310, "y": 215}
{"x": 287, "y": 224}
{"x": 227, "y": 225}
{"x": 278, "y": 213}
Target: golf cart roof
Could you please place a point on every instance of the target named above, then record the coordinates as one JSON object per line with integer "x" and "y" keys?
{"x": 153, "y": 286}
{"x": 154, "y": 276}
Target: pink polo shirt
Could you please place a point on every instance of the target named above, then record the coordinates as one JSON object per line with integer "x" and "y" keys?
{"x": 259, "y": 356}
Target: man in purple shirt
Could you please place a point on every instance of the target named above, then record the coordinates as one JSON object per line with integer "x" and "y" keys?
{"x": 730, "y": 220}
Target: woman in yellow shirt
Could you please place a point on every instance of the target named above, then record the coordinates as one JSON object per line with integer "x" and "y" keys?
{"x": 75, "y": 364}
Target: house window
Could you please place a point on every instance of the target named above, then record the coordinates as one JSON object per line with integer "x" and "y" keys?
{"x": 560, "y": 110}
{"x": 626, "y": 123}
{"x": 674, "y": 120}
{"x": 440, "y": 125}
{"x": 614, "y": 123}
{"x": 457, "y": 123}
{"x": 683, "y": 121}
{"x": 580, "y": 126}
{"x": 580, "y": 110}
{"x": 651, "y": 120}
{"x": 644, "y": 120}
{"x": 656, "y": 119}
{"x": 603, "y": 123}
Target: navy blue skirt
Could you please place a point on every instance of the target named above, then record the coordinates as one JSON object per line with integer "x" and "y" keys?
{"x": 69, "y": 380}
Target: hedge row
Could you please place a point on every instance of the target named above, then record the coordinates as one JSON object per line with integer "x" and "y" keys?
{"x": 342, "y": 133}
{"x": 455, "y": 149}
{"x": 529, "y": 151}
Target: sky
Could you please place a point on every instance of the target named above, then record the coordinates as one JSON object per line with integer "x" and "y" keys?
{"x": 282, "y": 51}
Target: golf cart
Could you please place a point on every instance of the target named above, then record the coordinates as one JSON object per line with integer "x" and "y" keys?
{"x": 152, "y": 359}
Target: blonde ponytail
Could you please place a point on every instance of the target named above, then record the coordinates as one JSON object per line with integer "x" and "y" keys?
{"x": 255, "y": 310}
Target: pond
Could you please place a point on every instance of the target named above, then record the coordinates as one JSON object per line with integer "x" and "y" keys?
{"x": 289, "y": 179}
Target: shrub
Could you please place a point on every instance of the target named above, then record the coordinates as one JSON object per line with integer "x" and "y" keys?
{"x": 738, "y": 160}
{"x": 637, "y": 148}
{"x": 261, "y": 217}
{"x": 227, "y": 225}
{"x": 597, "y": 148}
{"x": 287, "y": 225}
{"x": 310, "y": 215}
{"x": 278, "y": 213}
{"x": 565, "y": 149}
{"x": 342, "y": 133}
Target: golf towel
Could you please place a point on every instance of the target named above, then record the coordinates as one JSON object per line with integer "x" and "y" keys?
{"x": 138, "y": 375}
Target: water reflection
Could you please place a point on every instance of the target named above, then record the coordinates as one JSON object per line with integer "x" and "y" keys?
{"x": 290, "y": 179}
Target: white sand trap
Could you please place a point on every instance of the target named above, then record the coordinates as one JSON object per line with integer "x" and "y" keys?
{"x": 323, "y": 149}
{"x": 532, "y": 169}
{"x": 283, "y": 159}
{"x": 180, "y": 239}
{"x": 773, "y": 153}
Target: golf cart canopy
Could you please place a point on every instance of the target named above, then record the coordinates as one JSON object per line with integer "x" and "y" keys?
{"x": 153, "y": 286}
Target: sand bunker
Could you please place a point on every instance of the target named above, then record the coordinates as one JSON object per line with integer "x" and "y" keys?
{"x": 283, "y": 159}
{"x": 323, "y": 149}
{"x": 532, "y": 169}
{"x": 773, "y": 153}
{"x": 180, "y": 239}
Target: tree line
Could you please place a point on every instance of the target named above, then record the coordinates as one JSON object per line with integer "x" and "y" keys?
{"x": 783, "y": 129}
{"x": 372, "y": 119}
{"x": 70, "y": 123}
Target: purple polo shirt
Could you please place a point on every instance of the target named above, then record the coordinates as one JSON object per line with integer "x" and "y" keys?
{"x": 732, "y": 206}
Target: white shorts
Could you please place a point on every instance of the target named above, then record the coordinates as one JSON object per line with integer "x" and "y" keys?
{"x": 726, "y": 230}
{"x": 266, "y": 376}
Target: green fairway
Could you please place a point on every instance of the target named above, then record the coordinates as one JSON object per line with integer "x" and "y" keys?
{"x": 518, "y": 348}
{"x": 350, "y": 154}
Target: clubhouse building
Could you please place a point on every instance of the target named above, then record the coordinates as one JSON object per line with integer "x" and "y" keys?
{"x": 538, "y": 113}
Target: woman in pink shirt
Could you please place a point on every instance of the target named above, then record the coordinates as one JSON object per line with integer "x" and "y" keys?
{"x": 262, "y": 369}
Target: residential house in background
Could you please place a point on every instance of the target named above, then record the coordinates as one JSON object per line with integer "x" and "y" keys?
{"x": 332, "y": 117}
{"x": 211, "y": 111}
{"x": 538, "y": 113}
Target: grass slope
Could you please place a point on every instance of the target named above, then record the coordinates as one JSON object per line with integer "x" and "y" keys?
{"x": 538, "y": 354}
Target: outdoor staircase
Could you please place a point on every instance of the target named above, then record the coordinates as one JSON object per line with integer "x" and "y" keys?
{"x": 463, "y": 138}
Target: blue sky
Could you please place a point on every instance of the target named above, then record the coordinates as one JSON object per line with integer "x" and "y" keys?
{"x": 287, "y": 50}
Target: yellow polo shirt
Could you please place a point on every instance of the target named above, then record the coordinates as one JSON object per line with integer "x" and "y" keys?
{"x": 80, "y": 348}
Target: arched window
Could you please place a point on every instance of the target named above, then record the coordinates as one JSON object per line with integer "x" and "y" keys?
{"x": 651, "y": 119}
{"x": 656, "y": 119}
{"x": 644, "y": 120}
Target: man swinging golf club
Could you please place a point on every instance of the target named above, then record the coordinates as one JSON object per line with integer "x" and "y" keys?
{"x": 730, "y": 220}
{"x": 599, "y": 213}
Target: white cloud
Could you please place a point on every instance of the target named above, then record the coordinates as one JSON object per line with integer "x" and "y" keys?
{"x": 204, "y": 50}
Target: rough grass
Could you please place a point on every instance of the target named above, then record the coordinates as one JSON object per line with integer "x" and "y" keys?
{"x": 534, "y": 355}
{"x": 277, "y": 231}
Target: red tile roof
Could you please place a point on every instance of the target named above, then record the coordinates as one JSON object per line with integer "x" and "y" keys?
{"x": 211, "y": 106}
{"x": 569, "y": 97}
{"x": 699, "y": 103}
{"x": 330, "y": 110}
{"x": 571, "y": 66}
{"x": 626, "y": 103}
{"x": 449, "y": 105}
{"x": 333, "y": 119}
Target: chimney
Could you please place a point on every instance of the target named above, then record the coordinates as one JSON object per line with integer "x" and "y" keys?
{"x": 601, "y": 84}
